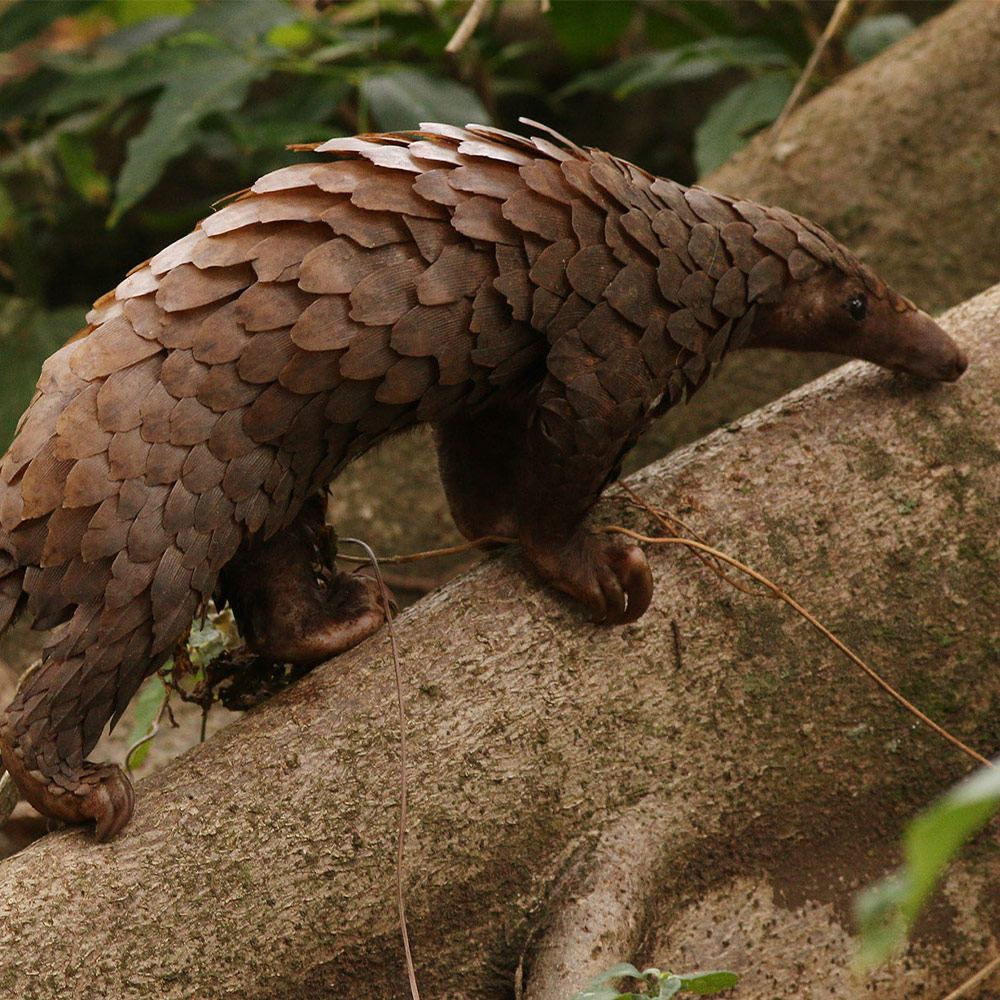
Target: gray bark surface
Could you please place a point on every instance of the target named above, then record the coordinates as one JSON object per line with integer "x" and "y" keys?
{"x": 578, "y": 796}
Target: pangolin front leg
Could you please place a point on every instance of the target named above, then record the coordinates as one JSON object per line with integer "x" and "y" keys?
{"x": 534, "y": 472}
{"x": 285, "y": 611}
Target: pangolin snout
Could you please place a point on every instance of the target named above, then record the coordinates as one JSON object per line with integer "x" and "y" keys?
{"x": 961, "y": 363}
{"x": 931, "y": 353}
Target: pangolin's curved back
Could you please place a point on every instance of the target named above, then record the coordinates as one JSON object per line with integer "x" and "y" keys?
{"x": 228, "y": 376}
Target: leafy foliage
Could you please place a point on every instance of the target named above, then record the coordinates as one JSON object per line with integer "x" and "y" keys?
{"x": 869, "y": 37}
{"x": 399, "y": 99}
{"x": 887, "y": 910}
{"x": 730, "y": 122}
{"x": 214, "y": 635}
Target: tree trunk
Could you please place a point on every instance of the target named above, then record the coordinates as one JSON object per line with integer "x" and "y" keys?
{"x": 583, "y": 795}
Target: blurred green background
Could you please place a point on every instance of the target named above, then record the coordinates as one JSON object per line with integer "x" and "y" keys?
{"x": 122, "y": 121}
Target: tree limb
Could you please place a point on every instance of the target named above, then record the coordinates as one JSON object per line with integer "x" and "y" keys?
{"x": 554, "y": 763}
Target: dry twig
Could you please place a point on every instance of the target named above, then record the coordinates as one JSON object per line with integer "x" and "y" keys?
{"x": 473, "y": 16}
{"x": 974, "y": 980}
{"x": 837, "y": 19}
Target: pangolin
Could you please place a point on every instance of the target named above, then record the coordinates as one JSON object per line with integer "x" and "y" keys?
{"x": 538, "y": 303}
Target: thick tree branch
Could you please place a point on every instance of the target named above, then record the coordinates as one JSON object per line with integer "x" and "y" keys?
{"x": 559, "y": 770}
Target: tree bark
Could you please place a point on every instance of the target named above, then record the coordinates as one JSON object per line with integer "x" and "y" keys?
{"x": 582, "y": 795}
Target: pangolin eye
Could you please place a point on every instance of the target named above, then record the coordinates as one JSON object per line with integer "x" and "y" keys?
{"x": 857, "y": 306}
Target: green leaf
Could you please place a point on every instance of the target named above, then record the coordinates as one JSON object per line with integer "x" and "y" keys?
{"x": 239, "y": 22}
{"x": 144, "y": 712}
{"x": 707, "y": 983}
{"x": 886, "y": 910}
{"x": 882, "y": 927}
{"x": 76, "y": 157}
{"x": 141, "y": 34}
{"x": 597, "y": 988}
{"x": 684, "y": 63}
{"x": 215, "y": 81}
{"x": 586, "y": 29}
{"x": 206, "y": 642}
{"x": 112, "y": 84}
{"x": 703, "y": 59}
{"x": 869, "y": 37}
{"x": 711, "y": 18}
{"x": 731, "y": 121}
{"x": 129, "y": 12}
{"x": 669, "y": 985}
{"x": 271, "y": 135}
{"x": 602, "y": 992}
{"x": 292, "y": 36}
{"x": 297, "y": 112}
{"x": 608, "y": 79}
{"x": 935, "y": 836}
{"x": 616, "y": 972}
{"x": 402, "y": 99}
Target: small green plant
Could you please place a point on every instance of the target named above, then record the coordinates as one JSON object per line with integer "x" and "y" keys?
{"x": 211, "y": 636}
{"x": 654, "y": 983}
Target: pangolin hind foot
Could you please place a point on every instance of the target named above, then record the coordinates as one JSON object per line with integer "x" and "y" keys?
{"x": 538, "y": 303}
{"x": 287, "y": 609}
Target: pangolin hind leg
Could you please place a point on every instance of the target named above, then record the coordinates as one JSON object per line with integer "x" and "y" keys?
{"x": 86, "y": 679}
{"x": 100, "y": 792}
{"x": 286, "y": 611}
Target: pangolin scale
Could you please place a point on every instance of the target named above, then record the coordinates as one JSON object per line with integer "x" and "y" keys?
{"x": 538, "y": 303}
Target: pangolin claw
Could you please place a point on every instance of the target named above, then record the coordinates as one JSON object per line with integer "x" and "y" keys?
{"x": 110, "y": 803}
{"x": 612, "y": 580}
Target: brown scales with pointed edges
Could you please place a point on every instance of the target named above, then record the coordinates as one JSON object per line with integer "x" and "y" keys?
{"x": 538, "y": 303}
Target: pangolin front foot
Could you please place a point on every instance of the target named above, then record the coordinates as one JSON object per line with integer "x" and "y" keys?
{"x": 613, "y": 580}
{"x": 101, "y": 793}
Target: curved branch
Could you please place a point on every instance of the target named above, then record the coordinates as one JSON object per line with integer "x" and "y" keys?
{"x": 262, "y": 862}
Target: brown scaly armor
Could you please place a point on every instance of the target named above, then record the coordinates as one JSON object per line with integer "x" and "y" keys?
{"x": 538, "y": 303}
